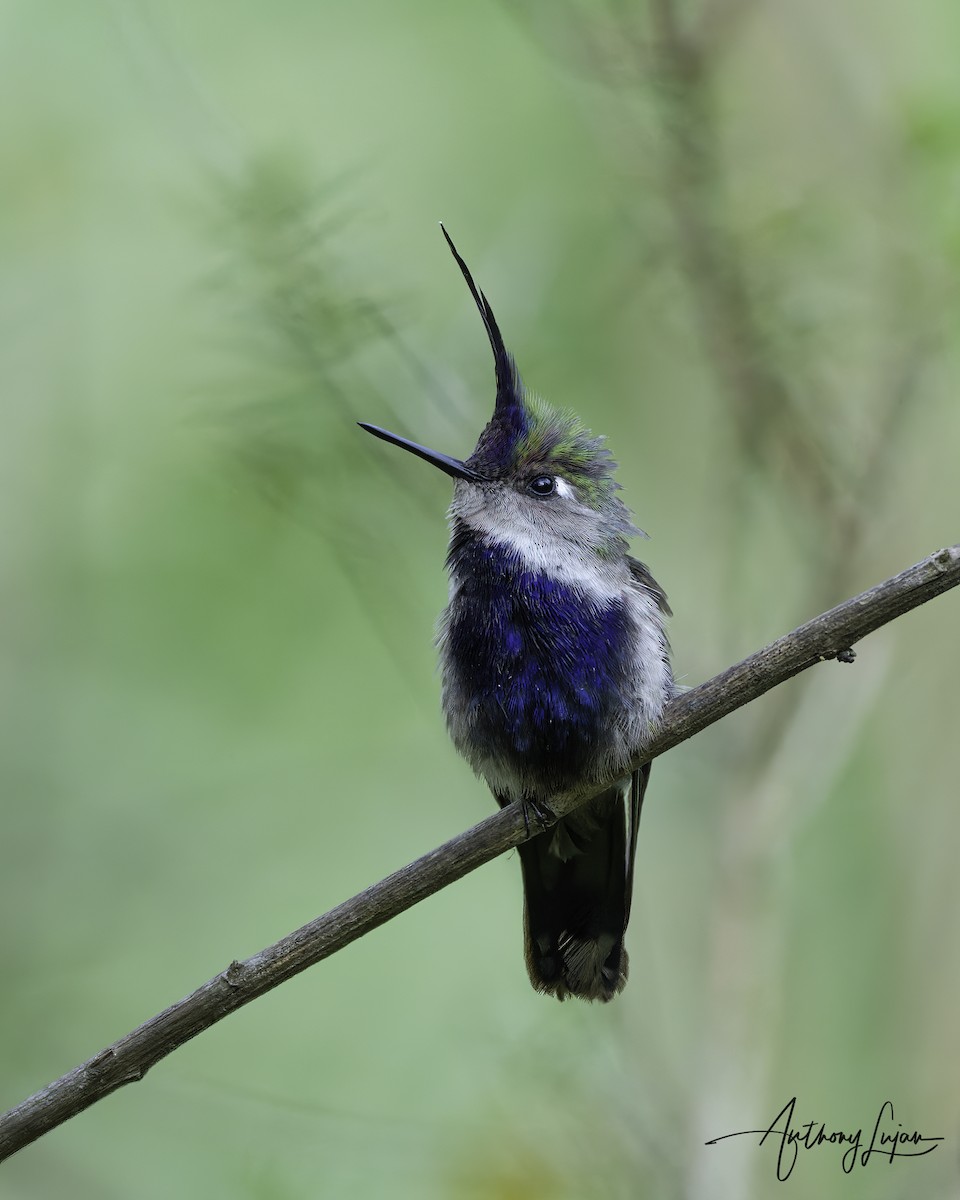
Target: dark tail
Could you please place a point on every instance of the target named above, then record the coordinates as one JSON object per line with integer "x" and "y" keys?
{"x": 578, "y": 882}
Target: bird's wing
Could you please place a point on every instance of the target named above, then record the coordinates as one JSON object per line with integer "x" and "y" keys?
{"x": 643, "y": 579}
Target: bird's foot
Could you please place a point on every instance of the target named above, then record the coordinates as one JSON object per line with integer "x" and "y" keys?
{"x": 541, "y": 814}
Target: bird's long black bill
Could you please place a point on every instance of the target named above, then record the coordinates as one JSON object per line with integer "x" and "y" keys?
{"x": 450, "y": 466}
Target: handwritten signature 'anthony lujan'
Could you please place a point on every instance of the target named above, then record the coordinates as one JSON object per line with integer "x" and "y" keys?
{"x": 886, "y": 1141}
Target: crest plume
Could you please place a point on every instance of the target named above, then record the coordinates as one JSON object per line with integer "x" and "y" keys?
{"x": 509, "y": 388}
{"x": 525, "y": 432}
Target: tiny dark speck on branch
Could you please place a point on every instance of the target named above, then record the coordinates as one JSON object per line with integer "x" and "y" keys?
{"x": 233, "y": 975}
{"x": 102, "y": 1061}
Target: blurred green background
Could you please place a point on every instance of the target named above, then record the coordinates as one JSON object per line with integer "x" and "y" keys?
{"x": 728, "y": 235}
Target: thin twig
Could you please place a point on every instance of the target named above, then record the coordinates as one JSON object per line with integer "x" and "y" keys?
{"x": 129, "y": 1059}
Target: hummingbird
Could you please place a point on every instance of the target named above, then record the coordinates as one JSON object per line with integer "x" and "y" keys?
{"x": 555, "y": 664}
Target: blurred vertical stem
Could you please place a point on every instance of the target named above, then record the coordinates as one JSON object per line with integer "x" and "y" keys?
{"x": 776, "y": 436}
{"x": 736, "y": 1036}
{"x": 756, "y": 392}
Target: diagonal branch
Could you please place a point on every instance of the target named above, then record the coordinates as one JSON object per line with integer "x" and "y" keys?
{"x": 828, "y": 636}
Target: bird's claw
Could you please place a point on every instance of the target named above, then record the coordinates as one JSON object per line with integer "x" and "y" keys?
{"x": 541, "y": 813}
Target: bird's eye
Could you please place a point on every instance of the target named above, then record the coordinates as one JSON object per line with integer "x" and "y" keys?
{"x": 542, "y": 485}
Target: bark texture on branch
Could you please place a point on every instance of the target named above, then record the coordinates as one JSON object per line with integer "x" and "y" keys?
{"x": 829, "y": 635}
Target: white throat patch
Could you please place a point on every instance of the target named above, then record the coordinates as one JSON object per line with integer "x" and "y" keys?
{"x": 561, "y": 560}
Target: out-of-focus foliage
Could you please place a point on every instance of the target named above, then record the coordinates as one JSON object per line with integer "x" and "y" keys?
{"x": 220, "y": 712}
